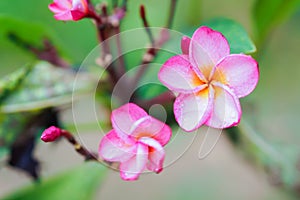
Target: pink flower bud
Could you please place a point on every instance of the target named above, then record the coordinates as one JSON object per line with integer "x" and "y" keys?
{"x": 51, "y": 134}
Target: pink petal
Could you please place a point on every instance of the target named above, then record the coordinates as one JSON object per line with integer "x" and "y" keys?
{"x": 240, "y": 72}
{"x": 80, "y": 5}
{"x": 112, "y": 148}
{"x": 65, "y": 16}
{"x": 124, "y": 118}
{"x": 185, "y": 44}
{"x": 131, "y": 169}
{"x": 77, "y": 15}
{"x": 192, "y": 110}
{"x": 151, "y": 127}
{"x": 178, "y": 75}
{"x": 56, "y": 8}
{"x": 156, "y": 154}
{"x": 207, "y": 48}
{"x": 60, "y": 5}
{"x": 226, "y": 108}
{"x": 64, "y": 4}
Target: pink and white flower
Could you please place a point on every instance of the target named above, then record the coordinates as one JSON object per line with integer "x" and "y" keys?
{"x": 209, "y": 81}
{"x": 136, "y": 141}
{"x": 69, "y": 9}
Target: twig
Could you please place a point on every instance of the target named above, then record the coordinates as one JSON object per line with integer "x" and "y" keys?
{"x": 171, "y": 13}
{"x": 150, "y": 55}
{"x": 48, "y": 52}
{"x": 80, "y": 149}
{"x": 122, "y": 68}
{"x": 146, "y": 24}
{"x": 124, "y": 5}
{"x": 152, "y": 51}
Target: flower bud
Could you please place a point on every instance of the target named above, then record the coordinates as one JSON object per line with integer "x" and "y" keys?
{"x": 51, "y": 134}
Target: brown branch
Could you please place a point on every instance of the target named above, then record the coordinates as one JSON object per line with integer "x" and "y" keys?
{"x": 77, "y": 146}
{"x": 156, "y": 44}
{"x": 171, "y": 13}
{"x": 150, "y": 55}
{"x": 146, "y": 24}
{"x": 48, "y": 52}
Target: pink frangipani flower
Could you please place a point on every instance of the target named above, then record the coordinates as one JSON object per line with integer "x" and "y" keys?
{"x": 69, "y": 9}
{"x": 209, "y": 81}
{"x": 136, "y": 141}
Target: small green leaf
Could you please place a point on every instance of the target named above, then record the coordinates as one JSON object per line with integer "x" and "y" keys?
{"x": 47, "y": 86}
{"x": 11, "y": 82}
{"x": 269, "y": 13}
{"x": 78, "y": 184}
{"x": 236, "y": 35}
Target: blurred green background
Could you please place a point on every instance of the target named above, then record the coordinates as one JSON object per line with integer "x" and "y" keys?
{"x": 272, "y": 109}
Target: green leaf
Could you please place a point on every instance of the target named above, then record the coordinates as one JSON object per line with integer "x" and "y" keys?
{"x": 78, "y": 184}
{"x": 269, "y": 13}
{"x": 236, "y": 35}
{"x": 48, "y": 86}
{"x": 11, "y": 82}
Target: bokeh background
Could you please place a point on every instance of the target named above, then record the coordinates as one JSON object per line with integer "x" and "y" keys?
{"x": 272, "y": 110}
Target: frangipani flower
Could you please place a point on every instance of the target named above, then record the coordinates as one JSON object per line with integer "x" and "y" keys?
{"x": 69, "y": 9}
{"x": 209, "y": 81}
{"x": 136, "y": 141}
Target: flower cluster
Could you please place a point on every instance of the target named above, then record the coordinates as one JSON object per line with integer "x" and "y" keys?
{"x": 208, "y": 80}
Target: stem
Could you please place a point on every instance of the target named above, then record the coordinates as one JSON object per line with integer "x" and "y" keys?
{"x": 48, "y": 52}
{"x": 124, "y": 5}
{"x": 80, "y": 149}
{"x": 122, "y": 68}
{"x": 152, "y": 51}
{"x": 146, "y": 24}
{"x": 149, "y": 56}
{"x": 171, "y": 13}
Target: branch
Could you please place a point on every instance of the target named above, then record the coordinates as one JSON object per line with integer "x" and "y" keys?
{"x": 150, "y": 55}
{"x": 146, "y": 24}
{"x": 48, "y": 52}
{"x": 171, "y": 13}
{"x": 155, "y": 45}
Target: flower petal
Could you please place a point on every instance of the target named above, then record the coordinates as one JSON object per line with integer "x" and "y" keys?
{"x": 59, "y": 7}
{"x": 65, "y": 16}
{"x": 112, "y": 148}
{"x": 192, "y": 110}
{"x": 80, "y": 5}
{"x": 239, "y": 72}
{"x": 153, "y": 128}
{"x": 185, "y": 44}
{"x": 226, "y": 110}
{"x": 178, "y": 75}
{"x": 131, "y": 169}
{"x": 77, "y": 15}
{"x": 124, "y": 118}
{"x": 207, "y": 48}
{"x": 156, "y": 154}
